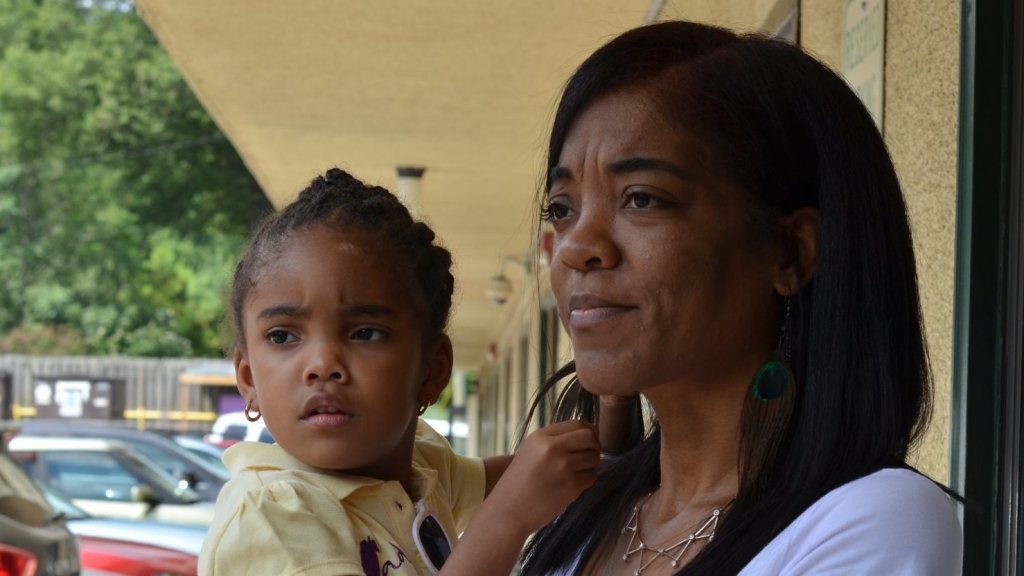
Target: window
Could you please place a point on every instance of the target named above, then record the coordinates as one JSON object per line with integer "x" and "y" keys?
{"x": 87, "y": 475}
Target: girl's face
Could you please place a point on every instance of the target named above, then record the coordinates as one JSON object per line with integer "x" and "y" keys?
{"x": 334, "y": 356}
{"x": 657, "y": 275}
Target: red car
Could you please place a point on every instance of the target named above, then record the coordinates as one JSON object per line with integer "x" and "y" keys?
{"x": 117, "y": 547}
{"x": 102, "y": 556}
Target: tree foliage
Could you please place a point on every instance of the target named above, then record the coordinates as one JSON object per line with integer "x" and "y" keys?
{"x": 122, "y": 206}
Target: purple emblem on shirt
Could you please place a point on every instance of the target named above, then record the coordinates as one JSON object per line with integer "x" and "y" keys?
{"x": 368, "y": 557}
{"x": 368, "y": 550}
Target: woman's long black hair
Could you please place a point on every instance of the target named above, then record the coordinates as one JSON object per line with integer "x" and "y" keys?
{"x": 791, "y": 133}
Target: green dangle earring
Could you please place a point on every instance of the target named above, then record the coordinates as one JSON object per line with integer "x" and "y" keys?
{"x": 775, "y": 377}
{"x": 772, "y": 380}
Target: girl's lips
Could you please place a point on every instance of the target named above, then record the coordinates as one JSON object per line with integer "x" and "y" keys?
{"x": 328, "y": 419}
{"x": 325, "y": 408}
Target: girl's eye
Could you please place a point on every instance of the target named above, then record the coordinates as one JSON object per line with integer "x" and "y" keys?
{"x": 368, "y": 334}
{"x": 279, "y": 337}
{"x": 554, "y": 211}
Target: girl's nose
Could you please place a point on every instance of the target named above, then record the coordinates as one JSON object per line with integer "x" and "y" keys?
{"x": 324, "y": 364}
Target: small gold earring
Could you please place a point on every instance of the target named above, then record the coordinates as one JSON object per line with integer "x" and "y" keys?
{"x": 248, "y": 414}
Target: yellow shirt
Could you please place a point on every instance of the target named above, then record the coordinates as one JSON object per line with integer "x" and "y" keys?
{"x": 278, "y": 516}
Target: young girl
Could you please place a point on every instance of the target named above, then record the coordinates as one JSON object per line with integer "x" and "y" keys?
{"x": 340, "y": 306}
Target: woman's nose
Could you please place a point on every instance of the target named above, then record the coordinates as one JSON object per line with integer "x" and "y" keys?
{"x": 588, "y": 242}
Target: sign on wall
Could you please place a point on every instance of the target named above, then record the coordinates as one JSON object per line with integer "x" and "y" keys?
{"x": 864, "y": 52}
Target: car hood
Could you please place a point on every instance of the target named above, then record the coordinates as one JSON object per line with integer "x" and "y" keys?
{"x": 184, "y": 538}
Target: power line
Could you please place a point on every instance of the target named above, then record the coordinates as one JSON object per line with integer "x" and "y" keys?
{"x": 118, "y": 156}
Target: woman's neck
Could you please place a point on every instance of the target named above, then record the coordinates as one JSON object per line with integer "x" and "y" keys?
{"x": 700, "y": 443}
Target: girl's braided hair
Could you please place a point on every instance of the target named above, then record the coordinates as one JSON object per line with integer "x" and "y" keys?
{"x": 339, "y": 201}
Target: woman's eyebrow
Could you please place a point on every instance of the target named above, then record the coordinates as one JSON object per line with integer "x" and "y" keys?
{"x": 636, "y": 164}
{"x": 640, "y": 164}
{"x": 558, "y": 173}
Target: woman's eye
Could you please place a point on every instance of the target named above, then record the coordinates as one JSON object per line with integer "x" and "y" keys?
{"x": 279, "y": 337}
{"x": 554, "y": 211}
{"x": 368, "y": 334}
{"x": 639, "y": 200}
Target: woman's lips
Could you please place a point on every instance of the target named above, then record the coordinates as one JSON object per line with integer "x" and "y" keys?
{"x": 588, "y": 310}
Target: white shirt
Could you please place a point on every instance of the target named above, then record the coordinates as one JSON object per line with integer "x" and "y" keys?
{"x": 893, "y": 522}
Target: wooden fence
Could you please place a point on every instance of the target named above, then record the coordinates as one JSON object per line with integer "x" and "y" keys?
{"x": 161, "y": 393}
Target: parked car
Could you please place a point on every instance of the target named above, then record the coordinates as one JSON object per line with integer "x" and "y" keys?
{"x": 107, "y": 479}
{"x": 112, "y": 558}
{"x": 212, "y": 455}
{"x": 232, "y": 427}
{"x": 129, "y": 547}
{"x": 34, "y": 540}
{"x": 196, "y": 473}
{"x": 102, "y": 557}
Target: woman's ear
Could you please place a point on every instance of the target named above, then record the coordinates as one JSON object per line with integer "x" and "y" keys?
{"x": 243, "y": 379}
{"x": 439, "y": 362}
{"x": 801, "y": 231}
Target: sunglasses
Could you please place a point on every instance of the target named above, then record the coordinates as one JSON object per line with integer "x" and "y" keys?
{"x": 431, "y": 540}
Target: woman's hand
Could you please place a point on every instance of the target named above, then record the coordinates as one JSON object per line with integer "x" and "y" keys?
{"x": 615, "y": 422}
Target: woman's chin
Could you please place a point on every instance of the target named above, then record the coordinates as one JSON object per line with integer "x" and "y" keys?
{"x": 605, "y": 383}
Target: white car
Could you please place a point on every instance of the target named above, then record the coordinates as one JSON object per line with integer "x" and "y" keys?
{"x": 107, "y": 479}
{"x": 232, "y": 427}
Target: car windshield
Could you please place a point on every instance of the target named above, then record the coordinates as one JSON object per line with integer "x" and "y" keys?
{"x": 162, "y": 451}
{"x": 165, "y": 481}
{"x": 234, "y": 432}
{"x": 110, "y": 475}
{"x": 13, "y": 480}
{"x": 174, "y": 462}
{"x": 60, "y": 503}
{"x": 208, "y": 454}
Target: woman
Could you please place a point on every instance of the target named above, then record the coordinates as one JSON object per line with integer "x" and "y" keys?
{"x": 731, "y": 244}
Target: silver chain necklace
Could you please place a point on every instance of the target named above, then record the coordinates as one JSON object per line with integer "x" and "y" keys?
{"x": 705, "y": 530}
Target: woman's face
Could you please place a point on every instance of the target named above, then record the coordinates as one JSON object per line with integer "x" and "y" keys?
{"x": 657, "y": 272}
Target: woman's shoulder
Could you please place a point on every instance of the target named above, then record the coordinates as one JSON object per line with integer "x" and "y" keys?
{"x": 894, "y": 521}
{"x": 896, "y": 491}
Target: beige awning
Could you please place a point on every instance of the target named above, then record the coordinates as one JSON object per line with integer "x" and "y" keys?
{"x": 464, "y": 89}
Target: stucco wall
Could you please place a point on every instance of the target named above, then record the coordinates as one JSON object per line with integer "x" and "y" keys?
{"x": 921, "y": 98}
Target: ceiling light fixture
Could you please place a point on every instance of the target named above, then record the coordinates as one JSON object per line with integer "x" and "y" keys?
{"x": 499, "y": 288}
{"x": 410, "y": 180}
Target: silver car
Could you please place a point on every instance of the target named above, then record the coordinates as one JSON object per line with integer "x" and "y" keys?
{"x": 34, "y": 539}
{"x": 107, "y": 479}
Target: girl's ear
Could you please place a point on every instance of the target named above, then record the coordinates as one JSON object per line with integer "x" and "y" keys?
{"x": 800, "y": 234}
{"x": 243, "y": 379}
{"x": 439, "y": 362}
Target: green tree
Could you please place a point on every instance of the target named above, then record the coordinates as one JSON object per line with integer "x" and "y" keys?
{"x": 122, "y": 206}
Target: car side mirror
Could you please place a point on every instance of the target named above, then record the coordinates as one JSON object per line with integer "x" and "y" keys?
{"x": 145, "y": 494}
{"x": 187, "y": 479}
